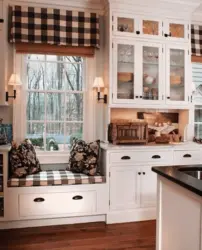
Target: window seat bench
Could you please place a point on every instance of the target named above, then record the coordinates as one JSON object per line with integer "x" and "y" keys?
{"x": 55, "y": 177}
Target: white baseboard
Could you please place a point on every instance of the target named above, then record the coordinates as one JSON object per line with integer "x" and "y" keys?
{"x": 131, "y": 215}
{"x": 51, "y": 222}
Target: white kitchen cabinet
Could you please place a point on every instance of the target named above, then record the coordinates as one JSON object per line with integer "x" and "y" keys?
{"x": 175, "y": 30}
{"x": 132, "y": 187}
{"x": 140, "y": 26}
{"x": 124, "y": 188}
{"x": 148, "y": 187}
{"x": 177, "y": 78}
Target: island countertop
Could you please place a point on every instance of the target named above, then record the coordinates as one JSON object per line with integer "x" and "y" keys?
{"x": 187, "y": 181}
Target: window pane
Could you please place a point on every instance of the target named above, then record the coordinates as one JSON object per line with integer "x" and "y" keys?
{"x": 55, "y": 107}
{"x": 35, "y": 133}
{"x": 74, "y": 107}
{"x": 73, "y": 76}
{"x": 36, "y": 57}
{"x": 55, "y": 137}
{"x": 198, "y": 131}
{"x": 55, "y": 76}
{"x": 35, "y": 106}
{"x": 73, "y": 59}
{"x": 73, "y": 130}
{"x": 198, "y": 114}
{"x": 36, "y": 75}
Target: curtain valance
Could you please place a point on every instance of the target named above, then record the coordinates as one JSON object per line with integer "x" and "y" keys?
{"x": 54, "y": 26}
{"x": 196, "y": 40}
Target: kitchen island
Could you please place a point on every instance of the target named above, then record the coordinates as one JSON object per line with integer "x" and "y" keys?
{"x": 179, "y": 208}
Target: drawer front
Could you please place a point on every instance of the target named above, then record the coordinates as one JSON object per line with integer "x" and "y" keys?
{"x": 57, "y": 203}
{"x": 141, "y": 157}
{"x": 186, "y": 157}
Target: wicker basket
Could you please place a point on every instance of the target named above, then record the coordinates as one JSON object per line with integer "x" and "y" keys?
{"x": 175, "y": 80}
{"x": 128, "y": 133}
{"x": 125, "y": 77}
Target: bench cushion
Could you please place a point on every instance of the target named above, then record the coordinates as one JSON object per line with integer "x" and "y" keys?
{"x": 49, "y": 178}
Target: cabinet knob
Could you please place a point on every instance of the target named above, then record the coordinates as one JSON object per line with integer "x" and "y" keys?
{"x": 144, "y": 173}
{"x": 77, "y": 197}
{"x": 39, "y": 199}
{"x": 139, "y": 173}
{"x": 187, "y": 156}
{"x": 137, "y": 32}
{"x": 168, "y": 97}
{"x": 141, "y": 97}
{"x": 166, "y": 35}
{"x": 1, "y": 20}
{"x": 125, "y": 157}
{"x": 137, "y": 96}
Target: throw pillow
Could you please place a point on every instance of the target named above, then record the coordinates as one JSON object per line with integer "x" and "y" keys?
{"x": 84, "y": 157}
{"x": 23, "y": 160}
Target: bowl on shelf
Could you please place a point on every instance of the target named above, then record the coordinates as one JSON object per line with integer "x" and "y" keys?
{"x": 125, "y": 77}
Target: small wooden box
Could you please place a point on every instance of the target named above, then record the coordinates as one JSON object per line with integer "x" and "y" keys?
{"x": 128, "y": 133}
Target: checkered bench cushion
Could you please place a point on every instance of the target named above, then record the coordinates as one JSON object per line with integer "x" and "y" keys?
{"x": 50, "y": 178}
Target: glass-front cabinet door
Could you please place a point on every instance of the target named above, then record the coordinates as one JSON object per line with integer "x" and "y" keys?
{"x": 124, "y": 72}
{"x": 177, "y": 78}
{"x": 126, "y": 25}
{"x": 178, "y": 31}
{"x": 150, "y": 27}
{"x": 152, "y": 86}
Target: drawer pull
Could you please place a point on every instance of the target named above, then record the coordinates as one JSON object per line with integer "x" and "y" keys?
{"x": 125, "y": 158}
{"x": 39, "y": 199}
{"x": 156, "y": 157}
{"x": 187, "y": 156}
{"x": 77, "y": 197}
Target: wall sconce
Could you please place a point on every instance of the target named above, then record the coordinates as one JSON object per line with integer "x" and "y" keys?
{"x": 14, "y": 81}
{"x": 98, "y": 83}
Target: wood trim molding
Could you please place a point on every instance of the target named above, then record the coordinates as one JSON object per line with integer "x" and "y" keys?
{"x": 197, "y": 59}
{"x": 29, "y": 48}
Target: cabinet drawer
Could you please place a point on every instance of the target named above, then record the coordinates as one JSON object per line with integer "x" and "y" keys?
{"x": 141, "y": 157}
{"x": 57, "y": 203}
{"x": 186, "y": 157}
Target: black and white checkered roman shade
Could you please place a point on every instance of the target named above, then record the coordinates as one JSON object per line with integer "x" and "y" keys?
{"x": 54, "y": 26}
{"x": 196, "y": 40}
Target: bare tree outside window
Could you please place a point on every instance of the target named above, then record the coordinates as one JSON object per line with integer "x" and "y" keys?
{"x": 55, "y": 96}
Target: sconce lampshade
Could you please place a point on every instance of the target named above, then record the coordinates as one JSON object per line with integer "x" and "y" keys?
{"x": 98, "y": 83}
{"x": 14, "y": 80}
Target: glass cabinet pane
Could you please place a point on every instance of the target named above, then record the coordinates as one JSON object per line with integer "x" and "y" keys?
{"x": 125, "y": 24}
{"x": 150, "y": 27}
{"x": 150, "y": 73}
{"x": 198, "y": 122}
{"x": 177, "y": 30}
{"x": 177, "y": 75}
{"x": 125, "y": 74}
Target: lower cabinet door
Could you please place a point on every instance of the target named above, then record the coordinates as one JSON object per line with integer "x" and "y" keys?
{"x": 148, "y": 187}
{"x": 123, "y": 188}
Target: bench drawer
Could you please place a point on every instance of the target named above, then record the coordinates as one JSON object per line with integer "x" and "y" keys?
{"x": 57, "y": 203}
{"x": 186, "y": 157}
{"x": 164, "y": 157}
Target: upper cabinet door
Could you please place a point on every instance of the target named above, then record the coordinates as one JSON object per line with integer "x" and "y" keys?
{"x": 123, "y": 72}
{"x": 125, "y": 24}
{"x": 177, "y": 78}
{"x": 176, "y": 31}
{"x": 150, "y": 27}
{"x": 151, "y": 73}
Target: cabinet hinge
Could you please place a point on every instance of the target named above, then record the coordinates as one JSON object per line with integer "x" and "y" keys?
{"x": 109, "y": 174}
{"x": 188, "y": 52}
{"x": 112, "y": 95}
{"x": 162, "y": 50}
{"x": 188, "y": 26}
{"x": 112, "y": 27}
{"x": 109, "y": 203}
{"x": 162, "y": 24}
{"x": 112, "y": 45}
{"x": 112, "y": 18}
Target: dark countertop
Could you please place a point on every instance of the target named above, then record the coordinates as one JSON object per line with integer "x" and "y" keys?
{"x": 187, "y": 181}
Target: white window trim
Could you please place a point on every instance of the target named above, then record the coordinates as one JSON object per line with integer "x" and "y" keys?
{"x": 19, "y": 111}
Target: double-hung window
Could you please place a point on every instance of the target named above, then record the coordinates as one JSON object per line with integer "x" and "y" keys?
{"x": 55, "y": 100}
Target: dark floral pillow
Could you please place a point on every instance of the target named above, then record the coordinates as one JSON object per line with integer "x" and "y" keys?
{"x": 84, "y": 157}
{"x": 23, "y": 160}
